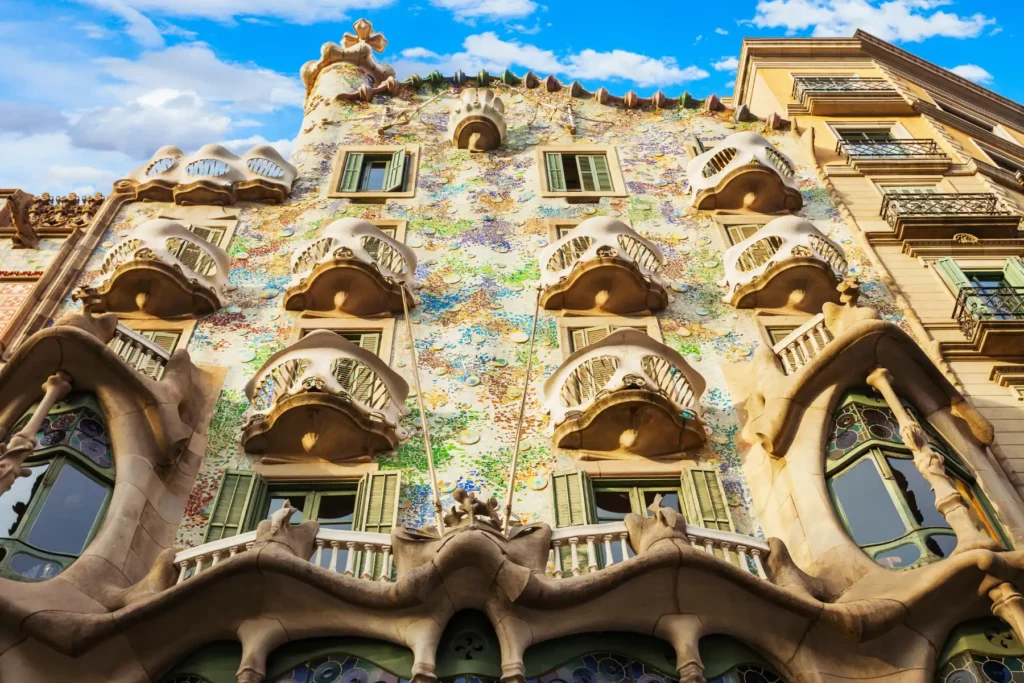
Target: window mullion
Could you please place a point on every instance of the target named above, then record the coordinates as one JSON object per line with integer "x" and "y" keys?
{"x": 889, "y": 481}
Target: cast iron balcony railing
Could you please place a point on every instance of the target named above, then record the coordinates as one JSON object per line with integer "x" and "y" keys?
{"x": 977, "y": 305}
{"x": 803, "y": 86}
{"x": 891, "y": 149}
{"x": 896, "y": 206}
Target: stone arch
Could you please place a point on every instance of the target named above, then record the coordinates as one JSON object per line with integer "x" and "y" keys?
{"x": 606, "y": 657}
{"x": 468, "y": 648}
{"x": 728, "y": 660}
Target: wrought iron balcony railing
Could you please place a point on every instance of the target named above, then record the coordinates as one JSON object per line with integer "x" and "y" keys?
{"x": 977, "y": 305}
{"x": 829, "y": 84}
{"x": 891, "y": 149}
{"x": 896, "y": 206}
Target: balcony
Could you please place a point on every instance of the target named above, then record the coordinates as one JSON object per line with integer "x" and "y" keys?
{"x": 992, "y": 319}
{"x": 370, "y": 557}
{"x": 803, "y": 344}
{"x": 602, "y": 267}
{"x": 146, "y": 356}
{"x": 829, "y": 96}
{"x": 941, "y": 216}
{"x": 353, "y": 268}
{"x": 744, "y": 173}
{"x": 895, "y": 156}
{"x": 324, "y": 398}
{"x": 163, "y": 270}
{"x": 626, "y": 396}
{"x": 213, "y": 175}
{"x": 786, "y": 266}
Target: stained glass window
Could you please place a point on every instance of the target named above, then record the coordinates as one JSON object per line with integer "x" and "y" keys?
{"x": 748, "y": 673}
{"x": 982, "y": 651}
{"x": 338, "y": 668}
{"x": 605, "y": 667}
{"x": 48, "y": 518}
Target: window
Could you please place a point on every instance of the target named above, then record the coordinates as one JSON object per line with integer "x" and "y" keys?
{"x": 375, "y": 171}
{"x": 910, "y": 189}
{"x": 883, "y": 501}
{"x": 1002, "y": 160}
{"x": 559, "y": 228}
{"x": 866, "y": 134}
{"x": 245, "y": 498}
{"x": 776, "y": 333}
{"x": 738, "y": 233}
{"x": 49, "y": 517}
{"x": 575, "y": 333}
{"x": 581, "y": 337}
{"x": 135, "y": 356}
{"x": 376, "y": 336}
{"x": 993, "y": 293}
{"x": 580, "y": 171}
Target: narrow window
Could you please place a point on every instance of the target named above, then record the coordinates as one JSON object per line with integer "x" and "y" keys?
{"x": 777, "y": 333}
{"x": 738, "y": 233}
{"x": 568, "y": 172}
{"x": 374, "y": 173}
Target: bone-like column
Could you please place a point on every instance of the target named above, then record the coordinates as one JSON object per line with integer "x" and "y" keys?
{"x": 21, "y": 445}
{"x": 932, "y": 467}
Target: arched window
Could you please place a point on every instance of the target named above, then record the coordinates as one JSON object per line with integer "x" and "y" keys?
{"x": 727, "y": 660}
{"x": 336, "y": 668}
{"x": 886, "y": 505}
{"x": 981, "y": 651}
{"x": 49, "y": 517}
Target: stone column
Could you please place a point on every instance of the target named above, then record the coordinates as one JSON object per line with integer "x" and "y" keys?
{"x": 21, "y": 445}
{"x": 932, "y": 467}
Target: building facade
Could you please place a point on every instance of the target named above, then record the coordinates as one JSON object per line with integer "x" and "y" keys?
{"x": 499, "y": 378}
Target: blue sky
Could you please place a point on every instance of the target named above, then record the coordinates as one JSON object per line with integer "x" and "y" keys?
{"x": 89, "y": 89}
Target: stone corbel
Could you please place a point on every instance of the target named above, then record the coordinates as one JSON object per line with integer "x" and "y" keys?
{"x": 932, "y": 467}
{"x": 259, "y": 637}
{"x": 684, "y": 632}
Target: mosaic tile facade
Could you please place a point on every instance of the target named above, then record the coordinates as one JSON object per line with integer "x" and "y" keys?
{"x": 476, "y": 225}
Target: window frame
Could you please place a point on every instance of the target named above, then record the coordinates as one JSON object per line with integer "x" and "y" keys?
{"x": 412, "y": 159}
{"x": 386, "y": 327}
{"x": 184, "y": 328}
{"x": 636, "y": 488}
{"x": 765, "y": 322}
{"x": 614, "y": 171}
{"x": 313, "y": 491}
{"x": 554, "y": 225}
{"x": 895, "y": 128}
{"x": 939, "y": 183}
{"x": 723, "y": 222}
{"x": 566, "y": 325}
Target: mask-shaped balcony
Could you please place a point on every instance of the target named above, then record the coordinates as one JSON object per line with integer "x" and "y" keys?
{"x": 602, "y": 266}
{"x": 213, "y": 175}
{"x": 941, "y": 216}
{"x": 786, "y": 266}
{"x": 324, "y": 398}
{"x": 162, "y": 270}
{"x": 626, "y": 396}
{"x": 353, "y": 269}
{"x": 744, "y": 172}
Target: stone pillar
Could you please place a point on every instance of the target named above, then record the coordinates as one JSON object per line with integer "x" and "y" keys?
{"x": 932, "y": 467}
{"x": 1008, "y": 605}
{"x": 21, "y": 445}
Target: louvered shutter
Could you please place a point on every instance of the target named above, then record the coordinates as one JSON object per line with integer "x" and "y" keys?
{"x": 602, "y": 175}
{"x": 377, "y": 502}
{"x": 167, "y": 341}
{"x": 1013, "y": 272}
{"x": 362, "y": 380}
{"x": 585, "y": 167}
{"x": 572, "y": 499}
{"x": 705, "y": 500}
{"x": 238, "y": 505}
{"x": 394, "y": 176}
{"x": 211, "y": 233}
{"x": 353, "y": 169}
{"x": 556, "y": 172}
{"x": 951, "y": 273}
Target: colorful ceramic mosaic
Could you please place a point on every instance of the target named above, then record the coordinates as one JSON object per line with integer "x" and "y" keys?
{"x": 337, "y": 669}
{"x": 605, "y": 667}
{"x": 975, "y": 668}
{"x": 12, "y": 295}
{"x": 476, "y": 224}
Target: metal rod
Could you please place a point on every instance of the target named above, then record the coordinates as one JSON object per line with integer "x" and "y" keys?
{"x": 423, "y": 415}
{"x": 522, "y": 412}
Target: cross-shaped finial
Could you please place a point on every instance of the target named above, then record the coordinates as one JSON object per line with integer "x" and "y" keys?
{"x": 365, "y": 34}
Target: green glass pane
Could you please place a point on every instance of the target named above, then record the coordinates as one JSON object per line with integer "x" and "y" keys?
{"x": 870, "y": 512}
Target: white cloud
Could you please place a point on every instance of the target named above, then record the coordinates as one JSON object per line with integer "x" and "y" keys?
{"x": 297, "y": 11}
{"x": 721, "y": 32}
{"x": 469, "y": 10}
{"x": 973, "y": 72}
{"x": 138, "y": 25}
{"x": 29, "y": 118}
{"x": 241, "y": 145}
{"x": 487, "y": 51}
{"x": 892, "y": 20}
{"x": 49, "y": 162}
{"x": 94, "y": 31}
{"x": 419, "y": 53}
{"x": 726, "y": 64}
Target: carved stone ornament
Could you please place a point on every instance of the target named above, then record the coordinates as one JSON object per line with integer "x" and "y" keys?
{"x": 356, "y": 51}
{"x": 477, "y": 121}
{"x": 279, "y": 535}
{"x": 27, "y": 218}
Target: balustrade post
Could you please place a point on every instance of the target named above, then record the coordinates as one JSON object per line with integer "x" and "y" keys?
{"x": 350, "y": 559}
{"x": 726, "y": 553}
{"x": 591, "y": 555}
{"x": 216, "y": 557}
{"x": 368, "y": 565}
{"x": 573, "y": 549}
{"x": 609, "y": 559}
{"x": 335, "y": 549}
{"x": 756, "y": 554}
{"x": 385, "y": 572}
{"x": 693, "y": 543}
{"x": 318, "y": 555}
{"x": 199, "y": 566}
{"x": 709, "y": 546}
{"x": 932, "y": 467}
{"x": 558, "y": 559}
{"x": 624, "y": 542}
{"x": 232, "y": 551}
{"x": 183, "y": 570}
{"x": 741, "y": 551}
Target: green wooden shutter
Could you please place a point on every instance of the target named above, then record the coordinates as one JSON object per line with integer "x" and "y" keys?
{"x": 585, "y": 167}
{"x": 166, "y": 340}
{"x": 556, "y": 172}
{"x": 377, "y": 502}
{"x": 211, "y": 233}
{"x": 1013, "y": 271}
{"x": 602, "y": 175}
{"x": 704, "y": 499}
{"x": 394, "y": 176}
{"x": 951, "y": 273}
{"x": 362, "y": 382}
{"x": 238, "y": 505}
{"x": 353, "y": 169}
{"x": 572, "y": 499}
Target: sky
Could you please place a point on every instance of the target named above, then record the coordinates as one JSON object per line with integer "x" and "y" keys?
{"x": 89, "y": 89}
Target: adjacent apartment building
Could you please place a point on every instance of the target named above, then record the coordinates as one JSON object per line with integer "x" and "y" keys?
{"x": 497, "y": 378}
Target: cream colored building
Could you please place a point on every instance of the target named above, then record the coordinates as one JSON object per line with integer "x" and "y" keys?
{"x": 497, "y": 378}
